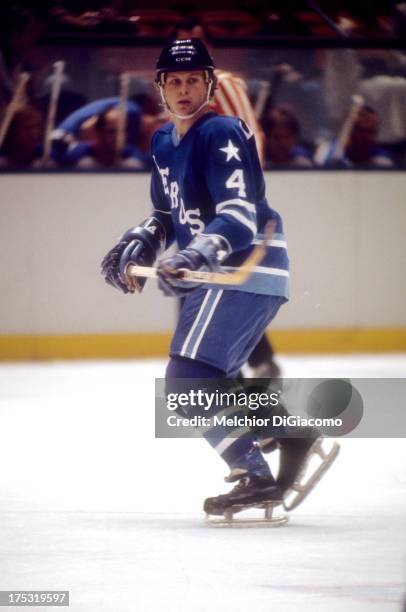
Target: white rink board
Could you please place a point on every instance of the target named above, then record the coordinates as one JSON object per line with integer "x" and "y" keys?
{"x": 345, "y": 234}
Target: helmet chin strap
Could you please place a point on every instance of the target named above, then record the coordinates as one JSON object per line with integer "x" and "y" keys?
{"x": 203, "y": 104}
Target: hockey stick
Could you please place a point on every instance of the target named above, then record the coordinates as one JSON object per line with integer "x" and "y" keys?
{"x": 13, "y": 105}
{"x": 122, "y": 110}
{"x": 345, "y": 133}
{"x": 263, "y": 94}
{"x": 343, "y": 136}
{"x": 237, "y": 277}
{"x": 53, "y": 103}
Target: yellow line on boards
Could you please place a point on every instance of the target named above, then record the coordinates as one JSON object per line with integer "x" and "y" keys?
{"x": 340, "y": 340}
{"x": 144, "y": 345}
{"x": 83, "y": 346}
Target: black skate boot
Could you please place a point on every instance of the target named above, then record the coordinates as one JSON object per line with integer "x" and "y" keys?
{"x": 293, "y": 455}
{"x": 302, "y": 463}
{"x": 250, "y": 491}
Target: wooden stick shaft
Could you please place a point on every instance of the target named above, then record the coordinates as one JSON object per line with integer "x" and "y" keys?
{"x": 122, "y": 109}
{"x": 262, "y": 97}
{"x": 237, "y": 277}
{"x": 53, "y": 103}
{"x": 344, "y": 135}
{"x": 225, "y": 277}
{"x": 13, "y": 105}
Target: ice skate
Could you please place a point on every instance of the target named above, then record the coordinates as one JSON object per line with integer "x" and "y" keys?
{"x": 251, "y": 492}
{"x": 303, "y": 462}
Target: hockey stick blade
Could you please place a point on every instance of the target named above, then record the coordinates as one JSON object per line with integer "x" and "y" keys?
{"x": 236, "y": 277}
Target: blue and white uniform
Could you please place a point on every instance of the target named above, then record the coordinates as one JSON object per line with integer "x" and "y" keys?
{"x": 211, "y": 182}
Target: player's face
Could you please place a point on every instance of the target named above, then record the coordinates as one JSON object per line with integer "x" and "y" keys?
{"x": 185, "y": 92}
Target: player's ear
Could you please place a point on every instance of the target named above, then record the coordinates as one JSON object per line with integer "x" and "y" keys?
{"x": 160, "y": 79}
{"x": 213, "y": 85}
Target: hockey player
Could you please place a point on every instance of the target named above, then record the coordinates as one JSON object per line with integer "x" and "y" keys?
{"x": 231, "y": 98}
{"x": 208, "y": 195}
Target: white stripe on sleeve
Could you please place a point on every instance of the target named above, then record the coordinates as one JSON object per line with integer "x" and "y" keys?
{"x": 236, "y": 202}
{"x": 243, "y": 220}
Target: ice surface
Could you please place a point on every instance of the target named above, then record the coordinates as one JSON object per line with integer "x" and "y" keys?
{"x": 91, "y": 502}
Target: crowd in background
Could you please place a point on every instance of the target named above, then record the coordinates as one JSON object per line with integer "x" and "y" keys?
{"x": 336, "y": 108}
{"x": 227, "y": 17}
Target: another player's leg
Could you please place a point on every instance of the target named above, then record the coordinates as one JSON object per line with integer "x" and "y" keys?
{"x": 262, "y": 360}
{"x": 304, "y": 458}
{"x": 303, "y": 462}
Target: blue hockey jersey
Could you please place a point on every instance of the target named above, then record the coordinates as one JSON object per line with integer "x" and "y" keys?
{"x": 211, "y": 182}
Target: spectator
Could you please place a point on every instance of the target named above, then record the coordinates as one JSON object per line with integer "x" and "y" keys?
{"x": 379, "y": 76}
{"x": 152, "y": 115}
{"x": 74, "y": 15}
{"x": 69, "y": 100}
{"x": 77, "y": 124}
{"x": 91, "y": 15}
{"x": 74, "y": 136}
{"x": 362, "y": 149}
{"x": 22, "y": 147}
{"x": 102, "y": 151}
{"x": 282, "y": 132}
{"x": 304, "y": 94}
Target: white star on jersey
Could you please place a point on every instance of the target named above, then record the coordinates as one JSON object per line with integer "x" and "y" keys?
{"x": 231, "y": 151}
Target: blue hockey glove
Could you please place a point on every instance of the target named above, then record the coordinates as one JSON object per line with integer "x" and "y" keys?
{"x": 204, "y": 253}
{"x": 139, "y": 245}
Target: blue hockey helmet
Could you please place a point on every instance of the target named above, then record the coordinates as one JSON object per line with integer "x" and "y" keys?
{"x": 182, "y": 55}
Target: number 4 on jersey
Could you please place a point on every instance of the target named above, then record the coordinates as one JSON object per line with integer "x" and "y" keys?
{"x": 236, "y": 181}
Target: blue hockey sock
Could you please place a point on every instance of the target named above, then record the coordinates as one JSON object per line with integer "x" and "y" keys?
{"x": 235, "y": 444}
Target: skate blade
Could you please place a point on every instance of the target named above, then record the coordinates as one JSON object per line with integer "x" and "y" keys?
{"x": 300, "y": 490}
{"x": 268, "y": 520}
